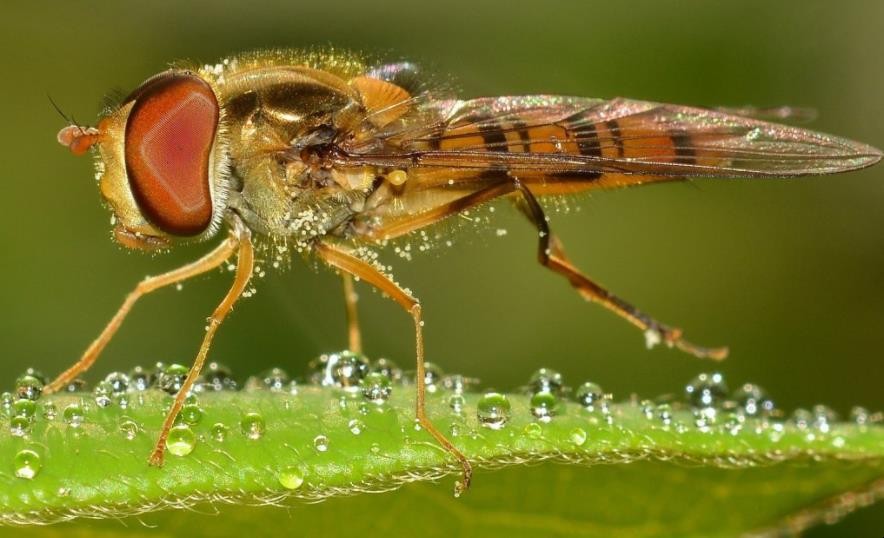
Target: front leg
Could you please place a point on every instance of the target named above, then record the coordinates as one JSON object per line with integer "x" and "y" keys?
{"x": 210, "y": 261}
{"x": 245, "y": 265}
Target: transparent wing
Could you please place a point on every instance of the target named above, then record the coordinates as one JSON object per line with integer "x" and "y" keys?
{"x": 604, "y": 141}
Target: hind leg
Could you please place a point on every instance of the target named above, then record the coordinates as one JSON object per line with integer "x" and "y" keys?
{"x": 551, "y": 255}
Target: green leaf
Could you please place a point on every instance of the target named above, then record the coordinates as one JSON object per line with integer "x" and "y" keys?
{"x": 627, "y": 474}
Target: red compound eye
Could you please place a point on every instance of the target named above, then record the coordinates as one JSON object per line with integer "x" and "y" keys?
{"x": 169, "y": 137}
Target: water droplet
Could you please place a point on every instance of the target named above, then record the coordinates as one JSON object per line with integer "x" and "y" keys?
{"x": 859, "y": 416}
{"x": 73, "y": 415}
{"x": 122, "y": 400}
{"x": 753, "y": 401}
{"x": 191, "y": 414}
{"x": 129, "y": 428}
{"x": 102, "y": 394}
{"x": 320, "y": 443}
{"x": 19, "y": 426}
{"x": 141, "y": 378}
{"x": 546, "y": 380}
{"x": 28, "y": 387}
{"x": 647, "y": 407}
{"x": 388, "y": 368}
{"x": 544, "y": 405}
{"x": 578, "y": 436}
{"x": 376, "y": 388}
{"x": 590, "y": 395}
{"x": 823, "y": 418}
{"x": 456, "y": 402}
{"x": 219, "y": 432}
{"x": 275, "y": 379}
{"x": 50, "y": 411}
{"x": 533, "y": 430}
{"x": 493, "y": 410}
{"x": 754, "y": 134}
{"x": 432, "y": 376}
{"x": 216, "y": 377}
{"x": 802, "y": 418}
{"x": 291, "y": 477}
{"x": 704, "y": 418}
{"x": 118, "y": 382}
{"x": 27, "y": 464}
{"x": 344, "y": 369}
{"x": 33, "y": 372}
{"x": 664, "y": 414}
{"x": 733, "y": 423}
{"x": 356, "y": 426}
{"x": 171, "y": 378}
{"x": 76, "y": 385}
{"x": 24, "y": 408}
{"x": 458, "y": 384}
{"x": 253, "y": 426}
{"x": 181, "y": 440}
{"x": 6, "y": 401}
{"x": 706, "y": 390}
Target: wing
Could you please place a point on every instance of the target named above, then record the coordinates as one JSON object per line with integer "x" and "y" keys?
{"x": 454, "y": 150}
{"x": 561, "y": 137}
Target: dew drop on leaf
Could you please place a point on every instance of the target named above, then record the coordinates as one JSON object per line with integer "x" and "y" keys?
{"x": 253, "y": 426}
{"x": 291, "y": 477}
{"x": 172, "y": 378}
{"x": 129, "y": 428}
{"x": 28, "y": 387}
{"x": 219, "y": 432}
{"x": 578, "y": 436}
{"x": 546, "y": 380}
{"x": 706, "y": 390}
{"x": 181, "y": 440}
{"x": 493, "y": 410}
{"x": 73, "y": 415}
{"x": 19, "y": 426}
{"x": 376, "y": 388}
{"x": 533, "y": 430}
{"x": 24, "y": 408}
{"x": 590, "y": 395}
{"x": 544, "y": 406}
{"x": 27, "y": 464}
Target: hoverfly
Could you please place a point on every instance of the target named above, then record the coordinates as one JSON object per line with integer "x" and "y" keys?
{"x": 329, "y": 156}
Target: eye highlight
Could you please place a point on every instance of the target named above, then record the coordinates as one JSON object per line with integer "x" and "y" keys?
{"x": 168, "y": 145}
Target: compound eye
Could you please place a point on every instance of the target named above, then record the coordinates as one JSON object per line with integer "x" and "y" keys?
{"x": 169, "y": 137}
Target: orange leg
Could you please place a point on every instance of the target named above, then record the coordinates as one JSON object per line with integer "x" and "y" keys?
{"x": 152, "y": 283}
{"x": 245, "y": 265}
{"x": 349, "y": 264}
{"x": 551, "y": 254}
{"x": 354, "y": 335}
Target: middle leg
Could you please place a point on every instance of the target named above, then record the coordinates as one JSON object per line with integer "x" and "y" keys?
{"x": 354, "y": 335}
{"x": 349, "y": 264}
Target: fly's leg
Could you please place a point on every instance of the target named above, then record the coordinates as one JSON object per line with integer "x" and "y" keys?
{"x": 245, "y": 264}
{"x": 152, "y": 283}
{"x": 349, "y": 264}
{"x": 551, "y": 255}
{"x": 354, "y": 335}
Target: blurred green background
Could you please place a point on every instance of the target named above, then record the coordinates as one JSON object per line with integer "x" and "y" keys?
{"x": 789, "y": 274}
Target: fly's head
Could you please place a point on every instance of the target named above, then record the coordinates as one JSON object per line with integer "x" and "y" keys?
{"x": 161, "y": 160}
